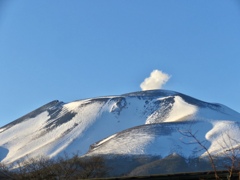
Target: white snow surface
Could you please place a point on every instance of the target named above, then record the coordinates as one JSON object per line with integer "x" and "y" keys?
{"x": 148, "y": 122}
{"x": 145, "y": 140}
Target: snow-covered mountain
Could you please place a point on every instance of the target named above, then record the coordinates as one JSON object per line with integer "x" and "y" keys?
{"x": 155, "y": 123}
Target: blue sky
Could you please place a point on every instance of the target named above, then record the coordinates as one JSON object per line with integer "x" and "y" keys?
{"x": 69, "y": 50}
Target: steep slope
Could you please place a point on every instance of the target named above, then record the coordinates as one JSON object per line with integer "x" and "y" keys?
{"x": 59, "y": 127}
{"x": 164, "y": 139}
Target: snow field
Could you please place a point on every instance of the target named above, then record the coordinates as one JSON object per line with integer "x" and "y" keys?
{"x": 135, "y": 123}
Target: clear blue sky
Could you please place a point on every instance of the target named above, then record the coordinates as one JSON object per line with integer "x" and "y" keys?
{"x": 69, "y": 50}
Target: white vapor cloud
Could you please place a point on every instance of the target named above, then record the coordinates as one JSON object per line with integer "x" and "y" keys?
{"x": 156, "y": 80}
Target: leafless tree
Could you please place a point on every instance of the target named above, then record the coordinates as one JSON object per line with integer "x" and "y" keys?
{"x": 4, "y": 172}
{"x": 231, "y": 152}
{"x": 60, "y": 168}
{"x": 189, "y": 134}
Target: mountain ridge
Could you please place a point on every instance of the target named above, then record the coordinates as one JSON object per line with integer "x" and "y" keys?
{"x": 139, "y": 121}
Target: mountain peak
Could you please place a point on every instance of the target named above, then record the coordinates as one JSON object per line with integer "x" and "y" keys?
{"x": 141, "y": 121}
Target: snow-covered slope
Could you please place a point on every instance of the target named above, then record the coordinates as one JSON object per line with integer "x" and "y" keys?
{"x": 164, "y": 139}
{"x": 145, "y": 122}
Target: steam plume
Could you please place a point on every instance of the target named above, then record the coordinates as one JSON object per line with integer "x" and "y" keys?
{"x": 156, "y": 80}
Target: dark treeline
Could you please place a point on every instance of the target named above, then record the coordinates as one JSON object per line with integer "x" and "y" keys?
{"x": 59, "y": 168}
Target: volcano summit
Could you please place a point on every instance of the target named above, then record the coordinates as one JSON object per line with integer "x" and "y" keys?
{"x": 154, "y": 123}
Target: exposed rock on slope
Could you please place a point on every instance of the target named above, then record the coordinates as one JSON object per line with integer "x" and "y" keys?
{"x": 140, "y": 123}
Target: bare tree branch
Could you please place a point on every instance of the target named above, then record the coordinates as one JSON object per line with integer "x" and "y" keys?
{"x": 188, "y": 133}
